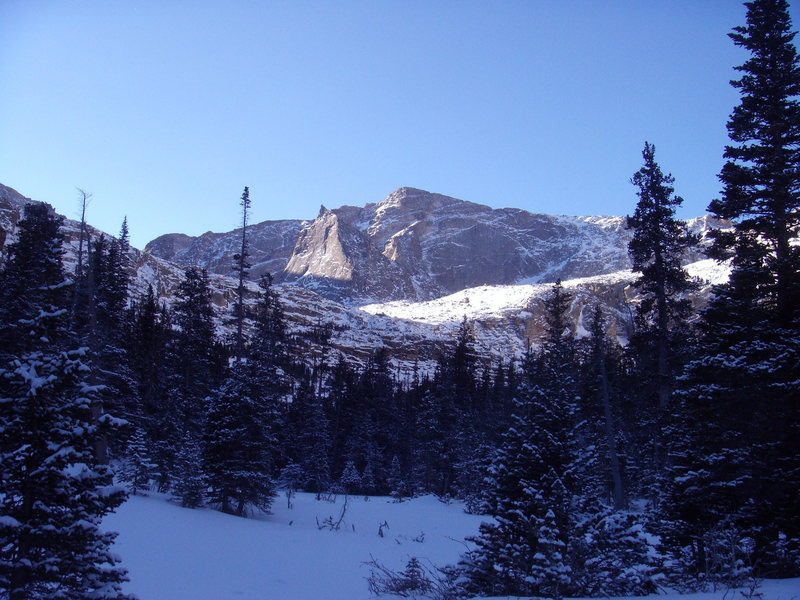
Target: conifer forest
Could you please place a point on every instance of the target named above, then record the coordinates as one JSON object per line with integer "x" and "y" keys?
{"x": 604, "y": 469}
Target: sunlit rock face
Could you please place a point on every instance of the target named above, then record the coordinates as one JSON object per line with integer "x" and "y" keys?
{"x": 415, "y": 245}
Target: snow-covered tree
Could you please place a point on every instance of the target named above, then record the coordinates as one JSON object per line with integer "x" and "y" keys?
{"x": 137, "y": 467}
{"x": 55, "y": 487}
{"x": 736, "y": 450}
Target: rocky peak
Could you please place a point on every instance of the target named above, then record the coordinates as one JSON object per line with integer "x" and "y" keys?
{"x": 417, "y": 245}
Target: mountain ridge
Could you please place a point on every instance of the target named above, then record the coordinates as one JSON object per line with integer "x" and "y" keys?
{"x": 418, "y": 245}
{"x": 506, "y": 318}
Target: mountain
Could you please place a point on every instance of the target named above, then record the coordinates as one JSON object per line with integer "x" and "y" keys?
{"x": 404, "y": 272}
{"x": 415, "y": 245}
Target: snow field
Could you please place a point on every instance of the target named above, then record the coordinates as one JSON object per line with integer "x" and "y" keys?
{"x": 174, "y": 553}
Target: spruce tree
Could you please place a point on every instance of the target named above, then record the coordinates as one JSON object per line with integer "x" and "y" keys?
{"x": 656, "y": 249}
{"x": 738, "y": 438}
{"x": 241, "y": 267}
{"x": 549, "y": 536}
{"x": 657, "y": 347}
{"x": 196, "y": 358}
{"x": 54, "y": 490}
{"x": 237, "y": 453}
{"x": 33, "y": 288}
{"x": 761, "y": 176}
{"x": 137, "y": 467}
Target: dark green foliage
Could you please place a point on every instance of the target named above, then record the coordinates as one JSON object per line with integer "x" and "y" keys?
{"x": 733, "y": 504}
{"x": 237, "y": 453}
{"x": 137, "y": 467}
{"x": 241, "y": 267}
{"x": 33, "y": 288}
{"x": 196, "y": 358}
{"x": 54, "y": 489}
{"x": 657, "y": 248}
{"x": 309, "y": 442}
{"x": 551, "y": 531}
{"x": 761, "y": 177}
{"x": 149, "y": 335}
{"x": 191, "y": 483}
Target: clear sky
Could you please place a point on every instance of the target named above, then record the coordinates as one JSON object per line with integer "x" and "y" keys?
{"x": 166, "y": 110}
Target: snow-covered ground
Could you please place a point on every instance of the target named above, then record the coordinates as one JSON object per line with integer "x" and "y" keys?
{"x": 174, "y": 553}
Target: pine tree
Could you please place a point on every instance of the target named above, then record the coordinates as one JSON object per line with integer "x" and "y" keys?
{"x": 760, "y": 176}
{"x": 657, "y": 247}
{"x": 137, "y": 468}
{"x": 600, "y": 406}
{"x": 350, "y": 480}
{"x": 534, "y": 477}
{"x": 241, "y": 267}
{"x": 237, "y": 447}
{"x": 658, "y": 345}
{"x": 33, "y": 289}
{"x": 738, "y": 433}
{"x": 54, "y": 491}
{"x": 544, "y": 540}
{"x": 147, "y": 347}
{"x": 196, "y": 357}
{"x": 191, "y": 482}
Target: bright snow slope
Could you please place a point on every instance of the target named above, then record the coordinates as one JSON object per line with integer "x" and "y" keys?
{"x": 174, "y": 553}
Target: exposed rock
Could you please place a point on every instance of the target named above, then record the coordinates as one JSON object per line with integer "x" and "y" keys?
{"x": 415, "y": 245}
{"x": 270, "y": 245}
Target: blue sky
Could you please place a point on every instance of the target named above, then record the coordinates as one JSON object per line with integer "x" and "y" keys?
{"x": 166, "y": 110}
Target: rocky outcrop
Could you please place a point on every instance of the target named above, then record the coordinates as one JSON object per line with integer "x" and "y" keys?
{"x": 270, "y": 245}
{"x": 339, "y": 261}
{"x": 415, "y": 245}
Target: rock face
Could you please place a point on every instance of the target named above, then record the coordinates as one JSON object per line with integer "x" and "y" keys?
{"x": 416, "y": 245}
{"x": 270, "y": 246}
{"x": 11, "y": 203}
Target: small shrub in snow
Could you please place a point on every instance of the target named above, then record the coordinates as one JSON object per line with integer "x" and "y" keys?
{"x": 414, "y": 581}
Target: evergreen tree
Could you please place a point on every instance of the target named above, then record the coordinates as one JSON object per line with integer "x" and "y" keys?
{"x": 656, "y": 249}
{"x": 137, "y": 467}
{"x": 309, "y": 440}
{"x": 350, "y": 480}
{"x": 661, "y": 333}
{"x": 736, "y": 453}
{"x": 196, "y": 358}
{"x": 761, "y": 176}
{"x": 601, "y": 405}
{"x": 149, "y": 335}
{"x": 191, "y": 482}
{"x": 54, "y": 490}
{"x": 237, "y": 450}
{"x": 33, "y": 289}
{"x": 241, "y": 267}
{"x": 545, "y": 539}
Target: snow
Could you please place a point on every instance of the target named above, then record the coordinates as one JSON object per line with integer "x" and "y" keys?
{"x": 174, "y": 553}
{"x": 710, "y": 271}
